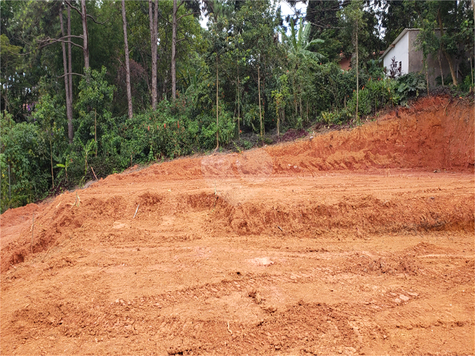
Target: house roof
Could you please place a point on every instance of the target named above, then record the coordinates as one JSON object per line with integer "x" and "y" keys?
{"x": 398, "y": 38}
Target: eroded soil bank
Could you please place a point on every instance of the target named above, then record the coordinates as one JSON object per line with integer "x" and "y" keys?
{"x": 354, "y": 242}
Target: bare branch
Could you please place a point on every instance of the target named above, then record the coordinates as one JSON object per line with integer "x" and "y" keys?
{"x": 81, "y": 75}
{"x": 181, "y": 3}
{"x": 187, "y": 39}
{"x": 50, "y": 41}
{"x": 61, "y": 38}
{"x": 73, "y": 7}
{"x": 93, "y": 19}
{"x": 80, "y": 13}
{"x": 163, "y": 17}
{"x": 184, "y": 15}
{"x": 77, "y": 45}
{"x": 323, "y": 26}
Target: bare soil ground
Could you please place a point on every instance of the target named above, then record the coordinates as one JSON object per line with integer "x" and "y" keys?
{"x": 353, "y": 242}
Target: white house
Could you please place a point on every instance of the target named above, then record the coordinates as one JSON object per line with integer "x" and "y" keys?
{"x": 410, "y": 59}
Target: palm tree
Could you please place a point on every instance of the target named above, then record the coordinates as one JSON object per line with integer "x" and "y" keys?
{"x": 300, "y": 56}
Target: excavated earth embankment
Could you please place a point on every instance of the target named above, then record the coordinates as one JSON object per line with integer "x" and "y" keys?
{"x": 352, "y": 242}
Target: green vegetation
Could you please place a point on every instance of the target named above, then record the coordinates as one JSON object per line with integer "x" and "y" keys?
{"x": 253, "y": 71}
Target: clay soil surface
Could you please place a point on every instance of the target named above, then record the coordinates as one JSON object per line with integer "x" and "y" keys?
{"x": 352, "y": 242}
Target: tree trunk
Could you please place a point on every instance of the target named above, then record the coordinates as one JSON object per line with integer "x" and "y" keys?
{"x": 70, "y": 65}
{"x": 447, "y": 56}
{"x": 153, "y": 14}
{"x": 427, "y": 80}
{"x": 471, "y": 71}
{"x": 239, "y": 103}
{"x": 259, "y": 90}
{"x": 300, "y": 99}
{"x": 95, "y": 129}
{"x": 173, "y": 64}
{"x": 357, "y": 76}
{"x": 451, "y": 67}
{"x": 51, "y": 155}
{"x": 127, "y": 65}
{"x": 295, "y": 94}
{"x": 239, "y": 108}
{"x": 217, "y": 102}
{"x": 69, "y": 111}
{"x": 441, "y": 71}
{"x": 84, "y": 33}
{"x": 155, "y": 31}
{"x": 308, "y": 119}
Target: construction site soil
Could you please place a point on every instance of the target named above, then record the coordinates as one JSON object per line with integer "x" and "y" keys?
{"x": 352, "y": 242}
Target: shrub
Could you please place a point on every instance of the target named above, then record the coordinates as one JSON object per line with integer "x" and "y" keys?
{"x": 20, "y": 147}
{"x": 410, "y": 85}
{"x": 375, "y": 95}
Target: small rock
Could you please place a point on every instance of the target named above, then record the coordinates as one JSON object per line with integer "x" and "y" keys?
{"x": 271, "y": 309}
{"x": 404, "y": 297}
{"x": 118, "y": 225}
{"x": 262, "y": 261}
{"x": 258, "y": 298}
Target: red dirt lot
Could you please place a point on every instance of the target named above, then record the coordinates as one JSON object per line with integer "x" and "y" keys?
{"x": 352, "y": 242}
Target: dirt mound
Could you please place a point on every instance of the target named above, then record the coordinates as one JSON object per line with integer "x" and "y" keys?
{"x": 436, "y": 133}
{"x": 348, "y": 243}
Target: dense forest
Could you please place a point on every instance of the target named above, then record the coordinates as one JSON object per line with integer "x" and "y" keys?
{"x": 89, "y": 88}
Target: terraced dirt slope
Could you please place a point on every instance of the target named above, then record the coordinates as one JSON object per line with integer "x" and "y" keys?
{"x": 354, "y": 242}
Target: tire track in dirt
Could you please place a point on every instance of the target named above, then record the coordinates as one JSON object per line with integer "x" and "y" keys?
{"x": 362, "y": 216}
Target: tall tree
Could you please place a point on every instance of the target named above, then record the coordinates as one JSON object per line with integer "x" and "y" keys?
{"x": 321, "y": 15}
{"x": 85, "y": 35}
{"x": 127, "y": 65}
{"x": 353, "y": 23}
{"x": 175, "y": 21}
{"x": 397, "y": 16}
{"x": 173, "y": 61}
{"x": 153, "y": 15}
{"x": 237, "y": 56}
{"x": 218, "y": 29}
{"x": 24, "y": 26}
{"x": 10, "y": 60}
{"x": 70, "y": 65}
{"x": 445, "y": 38}
{"x": 67, "y": 78}
{"x": 301, "y": 59}
{"x": 261, "y": 40}
{"x": 445, "y": 21}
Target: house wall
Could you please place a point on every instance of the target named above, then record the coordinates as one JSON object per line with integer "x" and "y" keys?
{"x": 345, "y": 64}
{"x": 401, "y": 52}
{"x": 405, "y": 51}
{"x": 416, "y": 61}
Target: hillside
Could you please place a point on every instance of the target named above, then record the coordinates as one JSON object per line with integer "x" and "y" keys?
{"x": 352, "y": 242}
